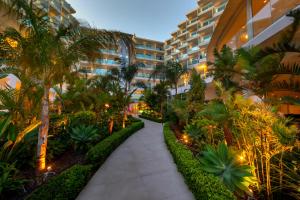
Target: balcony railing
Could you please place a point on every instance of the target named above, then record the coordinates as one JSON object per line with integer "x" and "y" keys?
{"x": 107, "y": 62}
{"x": 148, "y": 47}
{"x": 107, "y": 51}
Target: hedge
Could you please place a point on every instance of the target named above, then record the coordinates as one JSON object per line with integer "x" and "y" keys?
{"x": 69, "y": 183}
{"x": 151, "y": 118}
{"x": 65, "y": 186}
{"x": 203, "y": 185}
{"x": 98, "y": 154}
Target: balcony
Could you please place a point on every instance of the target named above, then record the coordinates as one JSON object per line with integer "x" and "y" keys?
{"x": 149, "y": 57}
{"x": 206, "y": 25}
{"x": 193, "y": 36}
{"x": 175, "y": 42}
{"x": 183, "y": 45}
{"x": 205, "y": 40}
{"x": 218, "y": 11}
{"x": 108, "y": 62}
{"x": 192, "y": 23}
{"x": 183, "y": 57}
{"x": 206, "y": 9}
{"x": 176, "y": 51}
{"x": 145, "y": 47}
{"x": 168, "y": 57}
{"x": 56, "y": 5}
{"x": 193, "y": 50}
{"x": 109, "y": 52}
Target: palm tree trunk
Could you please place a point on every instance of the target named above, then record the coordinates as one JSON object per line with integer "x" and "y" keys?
{"x": 228, "y": 135}
{"x": 111, "y": 126}
{"x": 59, "y": 106}
{"x": 43, "y": 131}
{"x": 176, "y": 89}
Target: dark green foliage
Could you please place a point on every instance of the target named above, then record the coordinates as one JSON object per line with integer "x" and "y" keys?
{"x": 83, "y": 118}
{"x": 196, "y": 95}
{"x": 9, "y": 184}
{"x": 98, "y": 154}
{"x": 224, "y": 163}
{"x": 65, "y": 186}
{"x": 151, "y": 117}
{"x": 203, "y": 185}
{"x": 83, "y": 136}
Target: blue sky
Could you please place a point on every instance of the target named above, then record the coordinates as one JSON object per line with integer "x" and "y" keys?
{"x": 153, "y": 19}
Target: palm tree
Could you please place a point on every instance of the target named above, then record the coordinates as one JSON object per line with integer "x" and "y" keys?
{"x": 47, "y": 54}
{"x": 223, "y": 69}
{"x": 162, "y": 91}
{"x": 170, "y": 72}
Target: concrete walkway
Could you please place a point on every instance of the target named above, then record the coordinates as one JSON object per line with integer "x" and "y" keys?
{"x": 140, "y": 169}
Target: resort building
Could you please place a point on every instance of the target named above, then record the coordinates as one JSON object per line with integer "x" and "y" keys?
{"x": 247, "y": 23}
{"x": 188, "y": 44}
{"x": 58, "y": 11}
{"x": 148, "y": 53}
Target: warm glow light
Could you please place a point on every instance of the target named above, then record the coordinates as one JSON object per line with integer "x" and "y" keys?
{"x": 186, "y": 141}
{"x": 244, "y": 37}
{"x": 242, "y": 158}
{"x": 107, "y": 105}
{"x": 11, "y": 42}
{"x": 49, "y": 168}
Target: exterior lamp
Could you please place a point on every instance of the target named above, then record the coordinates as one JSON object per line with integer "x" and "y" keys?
{"x": 107, "y": 105}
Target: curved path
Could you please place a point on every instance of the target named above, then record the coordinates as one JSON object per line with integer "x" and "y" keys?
{"x": 140, "y": 169}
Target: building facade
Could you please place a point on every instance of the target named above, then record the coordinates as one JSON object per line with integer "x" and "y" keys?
{"x": 60, "y": 12}
{"x": 261, "y": 23}
{"x": 148, "y": 53}
{"x": 189, "y": 43}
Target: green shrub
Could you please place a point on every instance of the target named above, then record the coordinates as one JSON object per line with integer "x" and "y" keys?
{"x": 83, "y": 118}
{"x": 65, "y": 186}
{"x": 9, "y": 183}
{"x": 98, "y": 154}
{"x": 151, "y": 118}
{"x": 203, "y": 185}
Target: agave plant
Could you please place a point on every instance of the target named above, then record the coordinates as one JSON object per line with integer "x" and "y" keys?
{"x": 225, "y": 164}
{"x": 83, "y": 136}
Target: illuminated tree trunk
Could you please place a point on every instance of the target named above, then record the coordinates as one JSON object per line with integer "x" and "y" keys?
{"x": 43, "y": 131}
{"x": 228, "y": 135}
{"x": 59, "y": 106}
{"x": 111, "y": 126}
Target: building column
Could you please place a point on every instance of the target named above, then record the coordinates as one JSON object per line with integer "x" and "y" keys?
{"x": 249, "y": 20}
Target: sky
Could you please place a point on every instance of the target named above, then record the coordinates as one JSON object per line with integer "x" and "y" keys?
{"x": 152, "y": 19}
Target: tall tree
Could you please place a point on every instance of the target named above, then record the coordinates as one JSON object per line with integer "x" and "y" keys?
{"x": 171, "y": 72}
{"x": 46, "y": 54}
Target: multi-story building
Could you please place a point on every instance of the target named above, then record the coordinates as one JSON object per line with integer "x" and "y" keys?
{"x": 188, "y": 44}
{"x": 58, "y": 11}
{"x": 149, "y": 53}
{"x": 247, "y": 23}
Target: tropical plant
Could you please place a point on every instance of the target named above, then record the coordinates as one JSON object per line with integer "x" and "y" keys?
{"x": 83, "y": 136}
{"x": 171, "y": 72}
{"x": 223, "y": 69}
{"x": 196, "y": 94}
{"x": 225, "y": 164}
{"x": 9, "y": 184}
{"x": 46, "y": 54}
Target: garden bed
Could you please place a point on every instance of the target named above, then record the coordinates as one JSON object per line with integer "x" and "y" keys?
{"x": 202, "y": 185}
{"x": 151, "y": 118}
{"x": 69, "y": 183}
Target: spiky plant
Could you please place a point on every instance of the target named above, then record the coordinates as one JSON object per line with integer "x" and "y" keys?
{"x": 225, "y": 164}
{"x": 83, "y": 136}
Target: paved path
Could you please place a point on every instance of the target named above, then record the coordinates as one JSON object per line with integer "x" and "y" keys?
{"x": 140, "y": 169}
